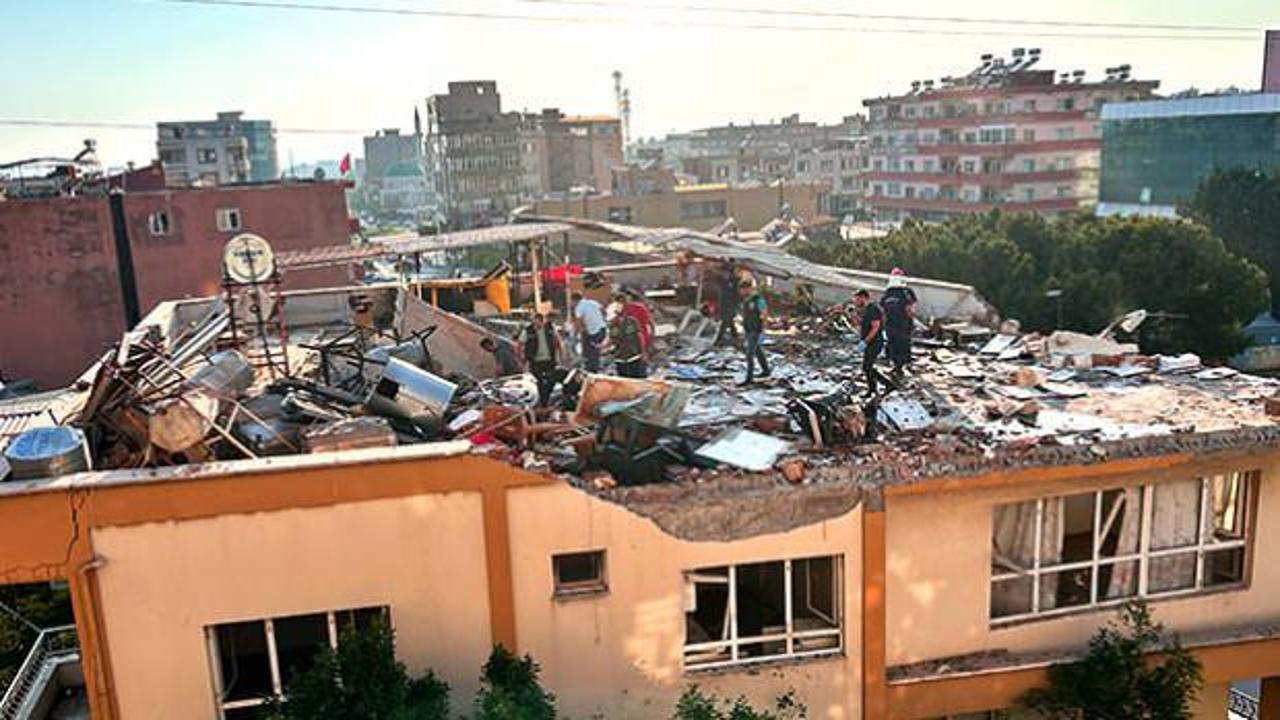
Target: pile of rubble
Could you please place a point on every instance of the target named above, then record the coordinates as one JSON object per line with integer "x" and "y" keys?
{"x": 377, "y": 367}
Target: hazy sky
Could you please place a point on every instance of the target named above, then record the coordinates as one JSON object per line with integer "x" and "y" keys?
{"x": 139, "y": 61}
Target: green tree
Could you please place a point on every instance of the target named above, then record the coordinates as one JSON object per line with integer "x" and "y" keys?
{"x": 696, "y": 705}
{"x": 26, "y": 608}
{"x": 1117, "y": 680}
{"x": 509, "y": 689}
{"x": 1242, "y": 206}
{"x": 1103, "y": 267}
{"x": 361, "y": 680}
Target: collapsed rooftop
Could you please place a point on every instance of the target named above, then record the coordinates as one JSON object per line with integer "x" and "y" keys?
{"x": 375, "y": 366}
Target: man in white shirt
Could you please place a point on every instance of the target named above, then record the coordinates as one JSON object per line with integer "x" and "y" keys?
{"x": 588, "y": 316}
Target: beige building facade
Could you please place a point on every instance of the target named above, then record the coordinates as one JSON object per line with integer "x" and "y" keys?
{"x": 697, "y": 207}
{"x": 460, "y": 551}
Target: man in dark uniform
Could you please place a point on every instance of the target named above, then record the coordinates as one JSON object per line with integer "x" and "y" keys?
{"x": 899, "y": 304}
{"x": 872, "y": 334}
{"x": 727, "y": 305}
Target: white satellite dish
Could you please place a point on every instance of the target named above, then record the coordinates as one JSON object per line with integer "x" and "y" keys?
{"x": 248, "y": 258}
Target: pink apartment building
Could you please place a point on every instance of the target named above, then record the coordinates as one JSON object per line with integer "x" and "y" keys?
{"x": 1006, "y": 135}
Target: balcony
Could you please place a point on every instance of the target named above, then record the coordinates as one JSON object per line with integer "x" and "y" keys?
{"x": 1005, "y": 179}
{"x": 964, "y": 206}
{"x": 49, "y": 682}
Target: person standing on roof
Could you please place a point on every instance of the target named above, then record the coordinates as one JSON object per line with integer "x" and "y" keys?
{"x": 628, "y": 347}
{"x": 728, "y": 305}
{"x": 754, "y": 311}
{"x": 504, "y": 358}
{"x": 872, "y": 334}
{"x": 635, "y": 308}
{"x": 588, "y": 317}
{"x": 899, "y": 304}
{"x": 541, "y": 353}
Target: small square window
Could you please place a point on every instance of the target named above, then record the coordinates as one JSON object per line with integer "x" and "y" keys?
{"x": 158, "y": 222}
{"x": 228, "y": 219}
{"x": 579, "y": 573}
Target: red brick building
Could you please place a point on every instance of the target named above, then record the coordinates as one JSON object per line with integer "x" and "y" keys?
{"x": 61, "y": 298}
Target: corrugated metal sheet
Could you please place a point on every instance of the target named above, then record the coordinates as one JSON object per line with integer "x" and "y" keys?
{"x": 765, "y": 259}
{"x": 20, "y": 414}
{"x": 406, "y": 243}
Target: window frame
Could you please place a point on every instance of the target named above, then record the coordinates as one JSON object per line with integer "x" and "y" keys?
{"x": 159, "y": 223}
{"x": 582, "y": 588}
{"x": 1204, "y": 544}
{"x": 789, "y": 636}
{"x": 222, "y": 219}
{"x": 273, "y": 656}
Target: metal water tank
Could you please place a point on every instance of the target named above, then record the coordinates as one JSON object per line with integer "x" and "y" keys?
{"x": 48, "y": 453}
{"x": 406, "y": 392}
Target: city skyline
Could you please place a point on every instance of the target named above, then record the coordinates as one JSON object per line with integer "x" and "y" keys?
{"x": 363, "y": 68}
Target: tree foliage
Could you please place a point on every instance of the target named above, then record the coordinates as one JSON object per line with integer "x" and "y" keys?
{"x": 509, "y": 689}
{"x": 1117, "y": 681}
{"x": 1103, "y": 266}
{"x": 696, "y": 705}
{"x": 39, "y": 604}
{"x": 362, "y": 680}
{"x": 1242, "y": 206}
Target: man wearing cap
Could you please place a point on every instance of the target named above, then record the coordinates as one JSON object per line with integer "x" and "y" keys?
{"x": 899, "y": 304}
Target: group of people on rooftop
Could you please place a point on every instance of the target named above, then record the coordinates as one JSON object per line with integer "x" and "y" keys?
{"x": 626, "y": 329}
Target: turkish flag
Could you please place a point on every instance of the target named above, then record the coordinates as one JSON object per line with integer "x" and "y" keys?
{"x": 344, "y": 167}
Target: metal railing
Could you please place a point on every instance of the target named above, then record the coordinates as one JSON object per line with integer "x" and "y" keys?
{"x": 52, "y": 644}
{"x": 1242, "y": 704}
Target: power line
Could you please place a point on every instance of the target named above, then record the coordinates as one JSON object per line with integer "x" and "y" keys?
{"x": 297, "y": 5}
{"x": 94, "y": 125}
{"x": 907, "y": 18}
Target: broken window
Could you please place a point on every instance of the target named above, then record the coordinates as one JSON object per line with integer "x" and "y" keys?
{"x": 257, "y": 660}
{"x": 759, "y": 611}
{"x": 1094, "y": 549}
{"x": 579, "y": 573}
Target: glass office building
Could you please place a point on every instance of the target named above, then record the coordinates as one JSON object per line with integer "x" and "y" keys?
{"x": 1156, "y": 152}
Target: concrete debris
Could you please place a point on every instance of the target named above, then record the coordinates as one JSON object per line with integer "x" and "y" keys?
{"x": 689, "y": 446}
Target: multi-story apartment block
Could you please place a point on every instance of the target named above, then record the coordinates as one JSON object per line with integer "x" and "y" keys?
{"x": 565, "y": 152}
{"x": 1006, "y": 135}
{"x": 839, "y": 165}
{"x": 751, "y": 153}
{"x": 229, "y": 149}
{"x": 476, "y": 150}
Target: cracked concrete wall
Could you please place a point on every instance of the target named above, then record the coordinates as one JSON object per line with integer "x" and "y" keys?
{"x": 740, "y": 506}
{"x": 620, "y": 654}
